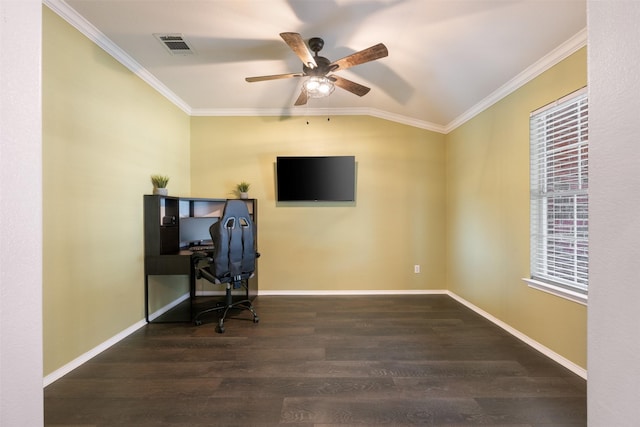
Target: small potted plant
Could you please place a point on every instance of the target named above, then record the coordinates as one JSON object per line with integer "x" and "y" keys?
{"x": 160, "y": 184}
{"x": 242, "y": 189}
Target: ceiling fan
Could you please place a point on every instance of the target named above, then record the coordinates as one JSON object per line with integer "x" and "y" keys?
{"x": 320, "y": 83}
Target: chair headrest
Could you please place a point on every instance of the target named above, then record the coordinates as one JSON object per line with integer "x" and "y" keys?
{"x": 235, "y": 208}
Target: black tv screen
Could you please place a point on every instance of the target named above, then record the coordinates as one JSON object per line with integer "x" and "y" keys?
{"x": 329, "y": 178}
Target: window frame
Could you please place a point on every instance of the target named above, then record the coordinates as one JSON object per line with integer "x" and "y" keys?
{"x": 558, "y": 176}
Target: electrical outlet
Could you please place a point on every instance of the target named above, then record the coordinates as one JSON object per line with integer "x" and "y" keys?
{"x": 416, "y": 268}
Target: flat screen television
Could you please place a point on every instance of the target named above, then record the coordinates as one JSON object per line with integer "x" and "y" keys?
{"x": 319, "y": 178}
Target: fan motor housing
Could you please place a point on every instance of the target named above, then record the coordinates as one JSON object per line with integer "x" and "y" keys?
{"x": 321, "y": 69}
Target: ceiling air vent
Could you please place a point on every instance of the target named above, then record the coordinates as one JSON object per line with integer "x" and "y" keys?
{"x": 175, "y": 44}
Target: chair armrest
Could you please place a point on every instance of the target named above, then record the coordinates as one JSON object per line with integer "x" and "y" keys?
{"x": 201, "y": 255}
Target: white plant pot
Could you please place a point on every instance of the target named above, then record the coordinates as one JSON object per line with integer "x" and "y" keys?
{"x": 244, "y": 195}
{"x": 160, "y": 191}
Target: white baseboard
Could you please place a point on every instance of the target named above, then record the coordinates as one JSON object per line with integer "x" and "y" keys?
{"x": 356, "y": 292}
{"x": 59, "y": 373}
{"x": 78, "y": 361}
{"x": 169, "y": 306}
{"x": 578, "y": 370}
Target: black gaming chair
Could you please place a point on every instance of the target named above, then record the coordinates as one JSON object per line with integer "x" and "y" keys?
{"x": 233, "y": 260}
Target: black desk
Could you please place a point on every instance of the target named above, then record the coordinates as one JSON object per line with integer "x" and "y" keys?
{"x": 169, "y": 220}
{"x": 168, "y": 265}
{"x": 182, "y": 263}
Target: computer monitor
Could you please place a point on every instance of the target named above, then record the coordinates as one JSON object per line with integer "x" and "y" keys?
{"x": 195, "y": 231}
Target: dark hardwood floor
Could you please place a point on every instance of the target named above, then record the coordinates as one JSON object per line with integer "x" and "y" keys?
{"x": 323, "y": 361}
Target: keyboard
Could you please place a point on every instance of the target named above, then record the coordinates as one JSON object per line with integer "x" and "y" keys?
{"x": 203, "y": 248}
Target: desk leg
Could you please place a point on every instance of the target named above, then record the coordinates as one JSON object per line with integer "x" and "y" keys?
{"x": 146, "y": 297}
{"x": 192, "y": 288}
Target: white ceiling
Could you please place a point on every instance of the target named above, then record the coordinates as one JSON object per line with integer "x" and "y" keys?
{"x": 448, "y": 59}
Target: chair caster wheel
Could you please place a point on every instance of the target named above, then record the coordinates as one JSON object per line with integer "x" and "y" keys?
{"x": 256, "y": 319}
{"x": 220, "y": 329}
{"x": 198, "y": 322}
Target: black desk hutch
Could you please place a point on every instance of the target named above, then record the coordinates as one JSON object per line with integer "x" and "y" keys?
{"x": 175, "y": 227}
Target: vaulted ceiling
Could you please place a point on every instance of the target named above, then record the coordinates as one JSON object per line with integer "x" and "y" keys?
{"x": 448, "y": 59}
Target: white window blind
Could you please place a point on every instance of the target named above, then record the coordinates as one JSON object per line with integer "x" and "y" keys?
{"x": 559, "y": 138}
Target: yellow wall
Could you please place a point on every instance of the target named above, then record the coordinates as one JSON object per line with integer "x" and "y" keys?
{"x": 105, "y": 132}
{"x": 372, "y": 244}
{"x": 487, "y": 211}
{"x": 456, "y": 204}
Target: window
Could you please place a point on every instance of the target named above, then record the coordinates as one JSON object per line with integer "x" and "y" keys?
{"x": 559, "y": 138}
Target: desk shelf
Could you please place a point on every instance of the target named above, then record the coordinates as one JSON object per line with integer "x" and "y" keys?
{"x": 171, "y": 224}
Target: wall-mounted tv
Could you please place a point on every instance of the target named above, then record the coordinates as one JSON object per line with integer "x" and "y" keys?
{"x": 318, "y": 178}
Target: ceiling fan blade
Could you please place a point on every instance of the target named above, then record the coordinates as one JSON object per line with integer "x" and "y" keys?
{"x": 272, "y": 77}
{"x": 348, "y": 85}
{"x": 370, "y": 54}
{"x": 302, "y": 99}
{"x": 299, "y": 47}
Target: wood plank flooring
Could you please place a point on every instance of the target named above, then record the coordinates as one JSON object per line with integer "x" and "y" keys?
{"x": 323, "y": 362}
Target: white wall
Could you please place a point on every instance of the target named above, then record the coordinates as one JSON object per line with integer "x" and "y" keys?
{"x": 20, "y": 214}
{"x": 614, "y": 282}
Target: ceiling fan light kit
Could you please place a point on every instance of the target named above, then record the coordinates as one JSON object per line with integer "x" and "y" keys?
{"x": 318, "y": 86}
{"x": 317, "y": 68}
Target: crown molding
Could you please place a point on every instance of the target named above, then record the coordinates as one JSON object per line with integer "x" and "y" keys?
{"x": 306, "y": 111}
{"x": 560, "y": 53}
{"x": 277, "y": 112}
{"x": 92, "y": 33}
{"x": 67, "y": 13}
{"x": 407, "y": 120}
